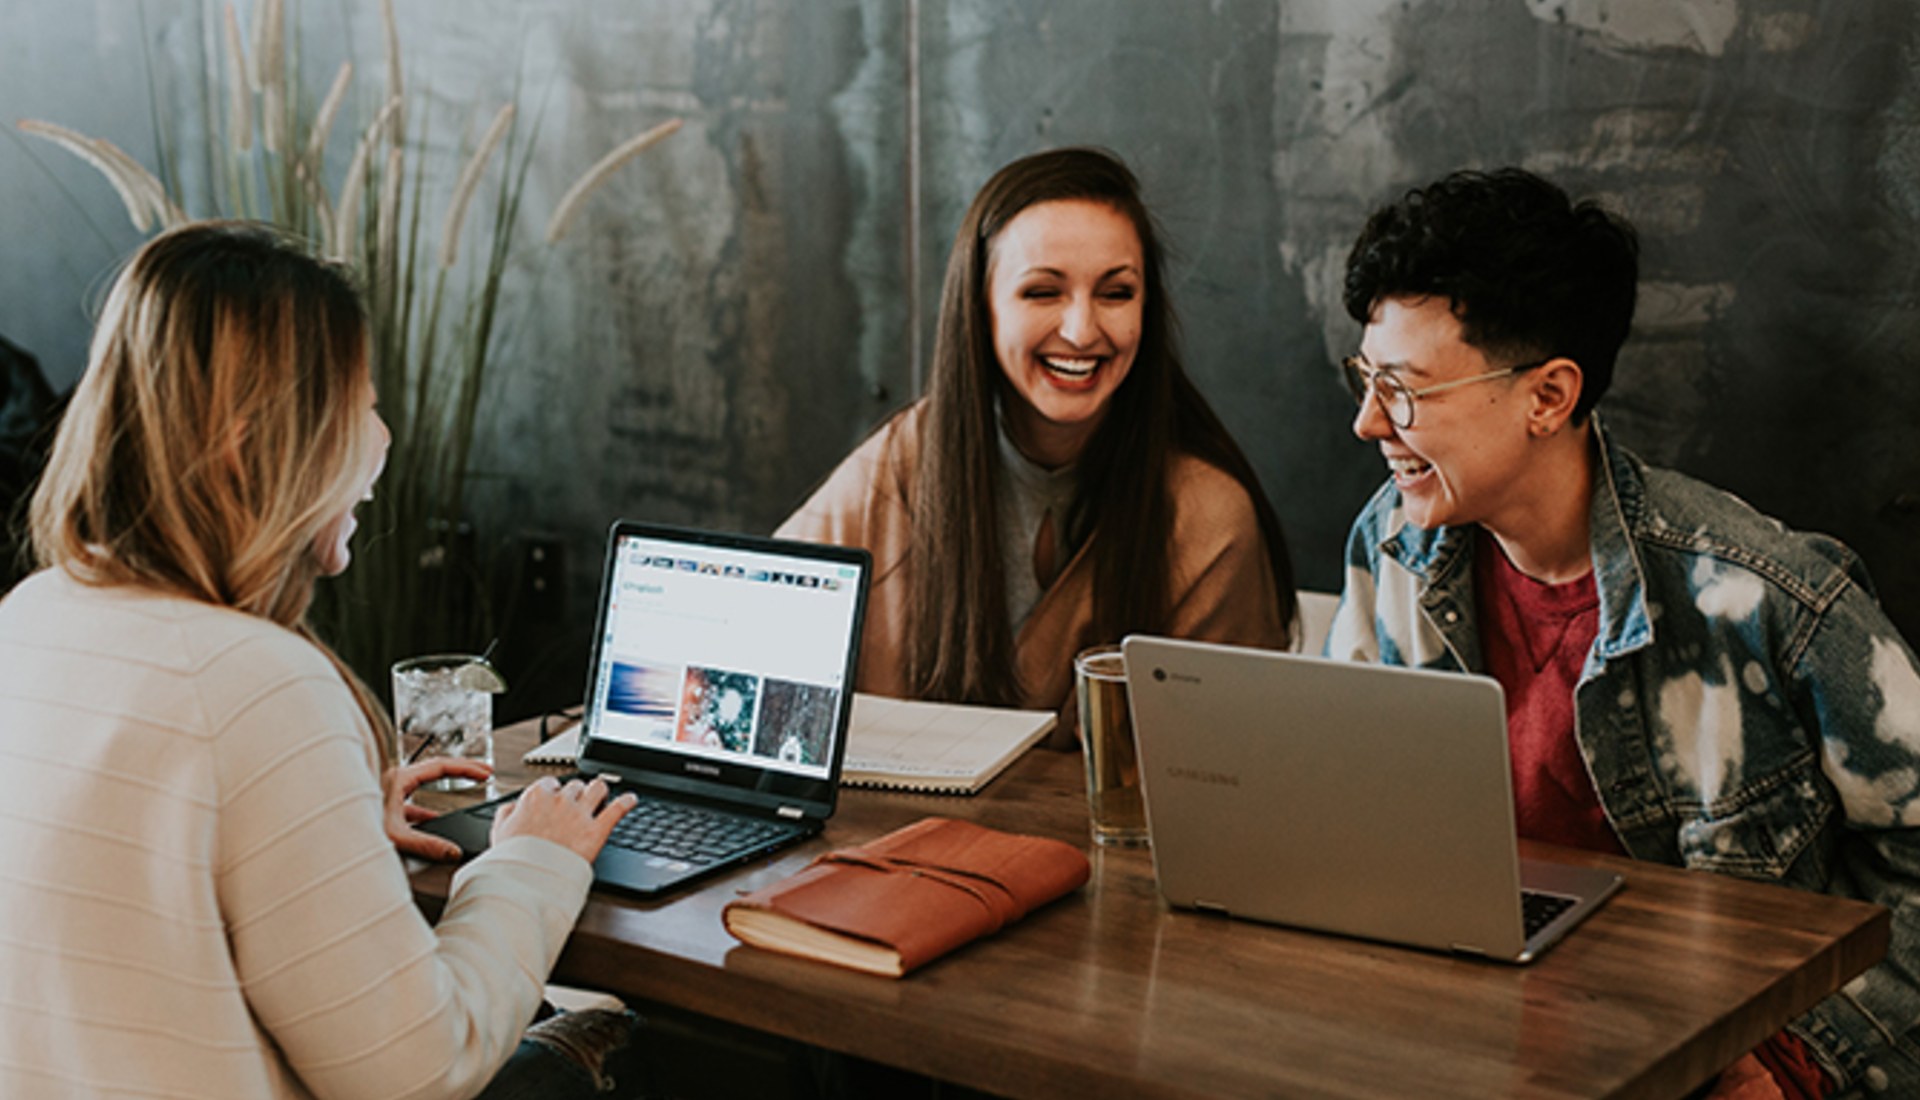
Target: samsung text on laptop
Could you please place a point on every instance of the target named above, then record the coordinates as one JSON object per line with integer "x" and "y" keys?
{"x": 719, "y": 691}
{"x": 1366, "y": 800}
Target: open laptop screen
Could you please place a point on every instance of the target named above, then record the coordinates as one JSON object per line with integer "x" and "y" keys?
{"x": 724, "y": 659}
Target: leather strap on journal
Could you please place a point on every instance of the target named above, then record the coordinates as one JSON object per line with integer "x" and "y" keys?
{"x": 993, "y": 896}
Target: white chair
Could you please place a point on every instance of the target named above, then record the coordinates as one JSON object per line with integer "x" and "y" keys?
{"x": 1316, "y": 618}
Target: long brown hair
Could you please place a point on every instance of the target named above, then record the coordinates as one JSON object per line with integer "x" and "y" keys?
{"x": 961, "y": 644}
{"x": 217, "y": 430}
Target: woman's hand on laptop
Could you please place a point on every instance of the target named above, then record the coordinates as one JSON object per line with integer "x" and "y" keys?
{"x": 570, "y": 814}
{"x": 402, "y": 781}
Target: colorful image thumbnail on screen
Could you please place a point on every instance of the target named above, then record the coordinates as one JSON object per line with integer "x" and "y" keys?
{"x": 796, "y": 722}
{"x": 648, "y": 693}
{"x": 717, "y": 708}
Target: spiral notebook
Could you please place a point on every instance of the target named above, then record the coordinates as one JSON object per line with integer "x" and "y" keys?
{"x": 903, "y": 744}
{"x": 942, "y": 748}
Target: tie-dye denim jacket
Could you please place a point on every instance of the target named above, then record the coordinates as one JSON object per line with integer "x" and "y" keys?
{"x": 1746, "y": 708}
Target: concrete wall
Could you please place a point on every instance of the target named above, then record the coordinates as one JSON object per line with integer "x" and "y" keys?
{"x": 740, "y": 306}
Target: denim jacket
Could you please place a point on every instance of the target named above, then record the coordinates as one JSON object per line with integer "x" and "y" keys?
{"x": 1746, "y": 708}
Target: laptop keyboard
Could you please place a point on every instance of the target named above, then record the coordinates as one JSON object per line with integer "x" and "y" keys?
{"x": 689, "y": 834}
{"x": 1537, "y": 910}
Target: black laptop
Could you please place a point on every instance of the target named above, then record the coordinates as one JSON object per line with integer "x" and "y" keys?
{"x": 719, "y": 692}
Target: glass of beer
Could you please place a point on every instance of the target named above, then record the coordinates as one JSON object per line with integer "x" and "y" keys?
{"x": 1106, "y": 735}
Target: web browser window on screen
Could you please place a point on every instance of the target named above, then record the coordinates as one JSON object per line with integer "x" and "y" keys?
{"x": 730, "y": 654}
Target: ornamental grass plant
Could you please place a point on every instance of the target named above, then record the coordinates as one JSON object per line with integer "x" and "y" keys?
{"x": 432, "y": 286}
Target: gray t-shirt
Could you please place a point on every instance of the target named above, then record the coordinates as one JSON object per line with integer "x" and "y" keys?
{"x": 1027, "y": 492}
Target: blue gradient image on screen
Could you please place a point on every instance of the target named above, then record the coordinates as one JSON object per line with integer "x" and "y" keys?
{"x": 646, "y": 694}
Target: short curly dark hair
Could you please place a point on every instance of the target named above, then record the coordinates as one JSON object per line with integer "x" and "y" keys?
{"x": 1529, "y": 272}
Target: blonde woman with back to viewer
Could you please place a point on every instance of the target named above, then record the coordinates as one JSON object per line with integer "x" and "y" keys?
{"x": 201, "y": 893}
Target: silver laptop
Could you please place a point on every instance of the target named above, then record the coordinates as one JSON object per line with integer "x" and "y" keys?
{"x": 719, "y": 692}
{"x": 1366, "y": 800}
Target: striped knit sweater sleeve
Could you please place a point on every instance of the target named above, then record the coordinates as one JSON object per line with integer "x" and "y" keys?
{"x": 198, "y": 897}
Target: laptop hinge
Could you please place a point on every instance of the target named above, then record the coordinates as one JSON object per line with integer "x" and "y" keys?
{"x": 791, "y": 813}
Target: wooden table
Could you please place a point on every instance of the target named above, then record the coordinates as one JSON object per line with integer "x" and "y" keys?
{"x": 1109, "y": 992}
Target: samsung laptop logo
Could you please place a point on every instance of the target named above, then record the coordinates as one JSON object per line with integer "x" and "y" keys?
{"x": 1201, "y": 775}
{"x": 703, "y": 769}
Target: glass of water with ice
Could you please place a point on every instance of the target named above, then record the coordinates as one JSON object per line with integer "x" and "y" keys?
{"x": 443, "y": 706}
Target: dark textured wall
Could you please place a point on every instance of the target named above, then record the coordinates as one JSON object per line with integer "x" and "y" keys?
{"x": 1766, "y": 151}
{"x": 741, "y": 306}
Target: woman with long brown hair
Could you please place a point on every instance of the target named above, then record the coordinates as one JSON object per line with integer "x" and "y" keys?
{"x": 1063, "y": 483}
{"x": 201, "y": 894}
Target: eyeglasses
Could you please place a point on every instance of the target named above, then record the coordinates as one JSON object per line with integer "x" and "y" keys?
{"x": 1396, "y": 397}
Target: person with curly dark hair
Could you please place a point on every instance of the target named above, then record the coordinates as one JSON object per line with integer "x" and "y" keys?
{"x": 1687, "y": 681}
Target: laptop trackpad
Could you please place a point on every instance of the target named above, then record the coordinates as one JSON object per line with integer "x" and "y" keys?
{"x": 1585, "y": 883}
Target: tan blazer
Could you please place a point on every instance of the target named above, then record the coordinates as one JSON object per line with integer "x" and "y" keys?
{"x": 1223, "y": 585}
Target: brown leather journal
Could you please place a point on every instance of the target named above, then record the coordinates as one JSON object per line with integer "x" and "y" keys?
{"x": 906, "y": 898}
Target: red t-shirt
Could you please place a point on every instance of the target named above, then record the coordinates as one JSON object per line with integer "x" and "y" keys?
{"x": 1534, "y": 638}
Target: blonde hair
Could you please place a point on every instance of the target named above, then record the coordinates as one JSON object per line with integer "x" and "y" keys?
{"x": 217, "y": 430}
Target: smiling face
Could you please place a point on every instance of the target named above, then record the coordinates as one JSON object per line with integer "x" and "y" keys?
{"x": 1066, "y": 285}
{"x": 1467, "y": 457}
{"x": 330, "y": 547}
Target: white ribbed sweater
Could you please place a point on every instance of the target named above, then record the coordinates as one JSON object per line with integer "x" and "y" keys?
{"x": 197, "y": 895}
